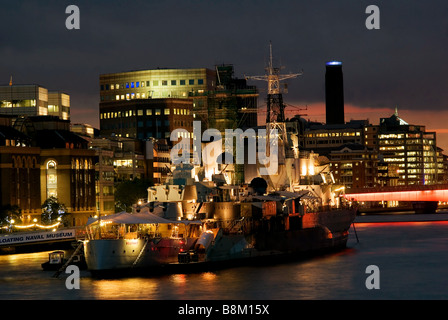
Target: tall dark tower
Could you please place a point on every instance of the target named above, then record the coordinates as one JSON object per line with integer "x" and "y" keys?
{"x": 334, "y": 93}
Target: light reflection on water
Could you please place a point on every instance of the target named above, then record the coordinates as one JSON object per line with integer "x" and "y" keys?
{"x": 411, "y": 257}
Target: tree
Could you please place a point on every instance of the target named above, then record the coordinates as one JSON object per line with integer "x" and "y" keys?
{"x": 10, "y": 212}
{"x": 53, "y": 210}
{"x": 129, "y": 192}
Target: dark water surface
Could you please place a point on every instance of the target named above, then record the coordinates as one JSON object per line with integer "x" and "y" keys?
{"x": 412, "y": 258}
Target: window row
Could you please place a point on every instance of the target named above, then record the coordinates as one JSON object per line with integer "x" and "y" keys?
{"x": 155, "y": 83}
{"x": 141, "y": 112}
{"x": 333, "y": 134}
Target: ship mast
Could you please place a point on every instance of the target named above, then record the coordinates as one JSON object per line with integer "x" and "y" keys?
{"x": 275, "y": 107}
{"x": 275, "y": 114}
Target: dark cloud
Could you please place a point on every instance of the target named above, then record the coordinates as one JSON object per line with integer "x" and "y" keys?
{"x": 403, "y": 63}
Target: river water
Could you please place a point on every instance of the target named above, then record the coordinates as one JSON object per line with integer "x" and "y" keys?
{"x": 411, "y": 258}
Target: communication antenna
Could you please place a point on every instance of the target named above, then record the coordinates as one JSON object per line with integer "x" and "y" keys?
{"x": 275, "y": 107}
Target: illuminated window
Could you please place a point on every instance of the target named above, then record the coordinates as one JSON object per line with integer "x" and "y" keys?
{"x": 123, "y": 163}
{"x": 43, "y": 111}
{"x": 166, "y": 112}
{"x": 52, "y": 178}
{"x": 137, "y": 84}
{"x": 132, "y": 84}
{"x": 53, "y": 108}
{"x": 158, "y": 112}
{"x": 51, "y": 164}
{"x": 149, "y": 112}
{"x": 139, "y": 112}
{"x": 127, "y": 85}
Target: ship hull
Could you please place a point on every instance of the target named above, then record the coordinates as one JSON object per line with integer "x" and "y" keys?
{"x": 121, "y": 254}
{"x": 316, "y": 234}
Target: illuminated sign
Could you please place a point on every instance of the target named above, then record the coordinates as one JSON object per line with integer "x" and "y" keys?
{"x": 31, "y": 237}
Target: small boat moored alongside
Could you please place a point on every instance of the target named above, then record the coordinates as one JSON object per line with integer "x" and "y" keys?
{"x": 57, "y": 260}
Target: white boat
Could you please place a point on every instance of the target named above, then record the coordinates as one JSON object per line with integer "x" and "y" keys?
{"x": 134, "y": 240}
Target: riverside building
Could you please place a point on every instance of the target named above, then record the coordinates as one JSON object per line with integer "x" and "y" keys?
{"x": 411, "y": 149}
{"x": 151, "y": 103}
{"x": 33, "y": 100}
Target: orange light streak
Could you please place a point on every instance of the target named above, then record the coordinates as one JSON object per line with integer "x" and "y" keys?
{"x": 421, "y": 195}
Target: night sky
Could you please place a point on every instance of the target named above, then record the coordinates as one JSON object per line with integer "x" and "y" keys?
{"x": 403, "y": 64}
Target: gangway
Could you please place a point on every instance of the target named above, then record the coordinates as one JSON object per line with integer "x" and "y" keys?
{"x": 80, "y": 246}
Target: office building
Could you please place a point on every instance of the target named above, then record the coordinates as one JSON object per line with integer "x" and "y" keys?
{"x": 105, "y": 174}
{"x": 83, "y": 129}
{"x": 232, "y": 105}
{"x": 19, "y": 172}
{"x": 33, "y": 100}
{"x": 411, "y": 149}
{"x": 217, "y": 98}
{"x": 155, "y": 84}
{"x": 334, "y": 93}
{"x": 323, "y": 138}
{"x": 146, "y": 118}
{"x": 59, "y": 105}
{"x": 354, "y": 166}
{"x": 43, "y": 159}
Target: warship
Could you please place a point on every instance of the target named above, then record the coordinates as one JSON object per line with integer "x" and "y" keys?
{"x": 205, "y": 215}
{"x": 237, "y": 225}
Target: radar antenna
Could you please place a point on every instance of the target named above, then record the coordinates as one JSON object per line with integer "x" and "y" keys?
{"x": 275, "y": 107}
